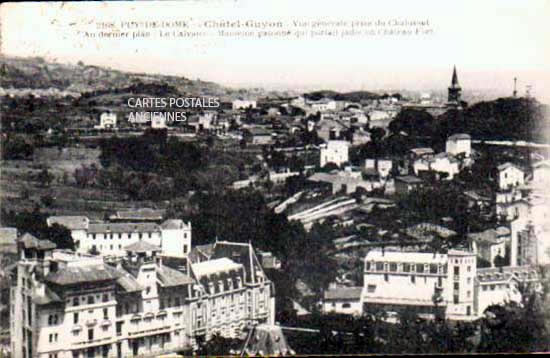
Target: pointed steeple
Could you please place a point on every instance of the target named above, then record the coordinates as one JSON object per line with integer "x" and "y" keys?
{"x": 454, "y": 81}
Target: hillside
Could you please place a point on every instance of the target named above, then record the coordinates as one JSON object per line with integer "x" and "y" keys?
{"x": 35, "y": 73}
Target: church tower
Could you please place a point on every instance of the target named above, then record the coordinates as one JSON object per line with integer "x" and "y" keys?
{"x": 454, "y": 91}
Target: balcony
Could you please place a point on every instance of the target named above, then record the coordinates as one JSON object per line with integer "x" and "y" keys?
{"x": 91, "y": 322}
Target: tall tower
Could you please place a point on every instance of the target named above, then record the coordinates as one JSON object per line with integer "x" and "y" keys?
{"x": 454, "y": 90}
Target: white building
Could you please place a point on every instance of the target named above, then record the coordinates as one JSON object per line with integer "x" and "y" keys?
{"x": 69, "y": 305}
{"x": 459, "y": 144}
{"x": 382, "y": 166}
{"x": 173, "y": 236}
{"x": 439, "y": 163}
{"x": 541, "y": 173}
{"x": 158, "y": 121}
{"x": 107, "y": 120}
{"x": 421, "y": 281}
{"x": 243, "y": 104}
{"x": 344, "y": 300}
{"x": 509, "y": 176}
{"x": 336, "y": 151}
{"x": 451, "y": 282}
{"x": 322, "y": 105}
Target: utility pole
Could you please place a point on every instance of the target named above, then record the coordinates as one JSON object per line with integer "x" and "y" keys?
{"x": 515, "y": 93}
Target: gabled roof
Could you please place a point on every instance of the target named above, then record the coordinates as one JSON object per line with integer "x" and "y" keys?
{"x": 343, "y": 293}
{"x": 142, "y": 246}
{"x": 542, "y": 164}
{"x": 70, "y": 222}
{"x": 240, "y": 253}
{"x": 80, "y": 274}
{"x": 508, "y": 165}
{"x": 30, "y": 242}
{"x": 409, "y": 179}
{"x": 128, "y": 282}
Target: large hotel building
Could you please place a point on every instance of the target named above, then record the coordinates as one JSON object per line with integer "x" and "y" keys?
{"x": 67, "y": 304}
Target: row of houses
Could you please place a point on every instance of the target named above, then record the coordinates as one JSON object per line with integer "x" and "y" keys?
{"x": 67, "y": 304}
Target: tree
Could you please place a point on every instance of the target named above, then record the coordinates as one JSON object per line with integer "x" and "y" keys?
{"x": 44, "y": 177}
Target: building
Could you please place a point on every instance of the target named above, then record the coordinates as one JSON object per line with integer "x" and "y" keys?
{"x": 541, "y": 173}
{"x": 454, "y": 92}
{"x": 138, "y": 215}
{"x": 266, "y": 340}
{"x": 336, "y": 151}
{"x": 243, "y": 104}
{"x": 441, "y": 163}
{"x": 8, "y": 241}
{"x": 173, "y": 236}
{"x": 344, "y": 300}
{"x": 509, "y": 176}
{"x": 107, "y": 120}
{"x": 382, "y": 166}
{"x": 258, "y": 136}
{"x": 322, "y": 105}
{"x": 69, "y": 305}
{"x": 406, "y": 184}
{"x": 459, "y": 144}
{"x": 424, "y": 282}
{"x": 158, "y": 121}
{"x": 490, "y": 244}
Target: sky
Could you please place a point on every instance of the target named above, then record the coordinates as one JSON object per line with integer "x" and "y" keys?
{"x": 490, "y": 42}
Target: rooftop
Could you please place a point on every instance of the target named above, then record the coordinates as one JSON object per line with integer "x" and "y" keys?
{"x": 507, "y": 165}
{"x": 409, "y": 179}
{"x": 139, "y": 214}
{"x": 343, "y": 293}
{"x": 142, "y": 246}
{"x": 170, "y": 277}
{"x": 70, "y": 222}
{"x": 80, "y": 274}
{"x": 414, "y": 257}
{"x": 30, "y": 242}
{"x": 207, "y": 268}
{"x": 173, "y": 224}
{"x": 459, "y": 136}
{"x": 122, "y": 228}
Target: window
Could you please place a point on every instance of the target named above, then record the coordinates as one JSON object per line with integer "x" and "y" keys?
{"x": 75, "y": 301}
{"x": 75, "y": 317}
{"x": 119, "y": 328}
{"x": 406, "y": 267}
{"x": 379, "y": 266}
{"x": 346, "y": 305}
{"x": 456, "y": 270}
{"x": 469, "y": 268}
{"x": 368, "y": 266}
{"x": 386, "y": 277}
{"x": 420, "y": 268}
{"x": 393, "y": 267}
{"x": 455, "y": 299}
{"x": 413, "y": 279}
{"x": 371, "y": 288}
{"x": 91, "y": 300}
{"x": 433, "y": 268}
{"x": 105, "y": 297}
{"x": 93, "y": 236}
{"x": 468, "y": 294}
{"x": 456, "y": 286}
{"x": 105, "y": 313}
{"x": 91, "y": 334}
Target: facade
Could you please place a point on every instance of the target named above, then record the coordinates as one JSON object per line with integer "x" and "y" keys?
{"x": 424, "y": 282}
{"x": 69, "y": 305}
{"x": 382, "y": 166}
{"x": 490, "y": 244}
{"x": 459, "y": 144}
{"x": 406, "y": 184}
{"x": 439, "y": 163}
{"x": 336, "y": 151}
{"x": 509, "y": 176}
{"x": 173, "y": 236}
{"x": 344, "y": 300}
{"x": 541, "y": 173}
{"x": 107, "y": 121}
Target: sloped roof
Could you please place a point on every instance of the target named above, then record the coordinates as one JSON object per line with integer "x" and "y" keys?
{"x": 122, "y": 228}
{"x": 267, "y": 340}
{"x": 80, "y": 274}
{"x": 240, "y": 253}
{"x": 70, "y": 222}
{"x": 508, "y": 165}
{"x": 422, "y": 151}
{"x": 139, "y": 214}
{"x": 207, "y": 268}
{"x": 173, "y": 224}
{"x": 128, "y": 282}
{"x": 170, "y": 277}
{"x": 344, "y": 293}
{"x": 409, "y": 179}
{"x": 30, "y": 242}
{"x": 49, "y": 297}
{"x": 142, "y": 246}
{"x": 459, "y": 136}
